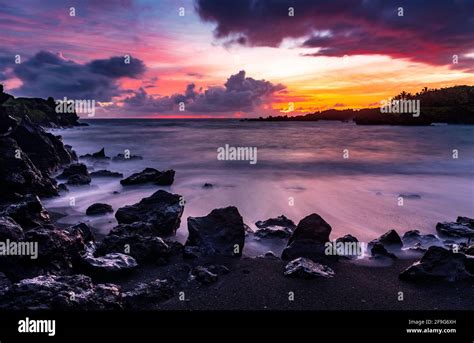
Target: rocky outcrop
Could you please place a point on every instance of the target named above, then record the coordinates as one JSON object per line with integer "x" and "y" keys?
{"x": 386, "y": 244}
{"x": 7, "y": 123}
{"x": 414, "y": 239}
{"x": 40, "y": 111}
{"x": 462, "y": 228}
{"x": 308, "y": 239}
{"x": 221, "y": 232}
{"x": 147, "y": 175}
{"x": 83, "y": 230}
{"x": 9, "y": 229}
{"x": 279, "y": 227}
{"x": 307, "y": 269}
{"x": 99, "y": 209}
{"x": 113, "y": 263}
{"x": 391, "y": 239}
{"x": 144, "y": 249}
{"x": 4, "y": 97}
{"x": 19, "y": 175}
{"x": 162, "y": 210}
{"x": 99, "y": 155}
{"x": 51, "y": 292}
{"x": 313, "y": 228}
{"x": 28, "y": 211}
{"x": 58, "y": 249}
{"x": 440, "y": 264}
{"x": 75, "y": 174}
{"x": 46, "y": 151}
{"x": 378, "y": 250}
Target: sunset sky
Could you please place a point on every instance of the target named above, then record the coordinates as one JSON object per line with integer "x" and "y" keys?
{"x": 233, "y": 58}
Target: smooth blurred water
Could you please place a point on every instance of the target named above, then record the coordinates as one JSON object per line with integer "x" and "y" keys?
{"x": 302, "y": 161}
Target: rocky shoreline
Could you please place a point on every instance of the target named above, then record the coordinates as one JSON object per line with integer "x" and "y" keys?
{"x": 138, "y": 265}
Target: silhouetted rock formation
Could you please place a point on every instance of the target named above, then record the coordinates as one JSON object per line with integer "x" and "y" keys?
{"x": 41, "y": 112}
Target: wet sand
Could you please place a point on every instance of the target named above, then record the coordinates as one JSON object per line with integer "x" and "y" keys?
{"x": 259, "y": 284}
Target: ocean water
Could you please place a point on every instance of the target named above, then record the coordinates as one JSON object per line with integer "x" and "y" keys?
{"x": 300, "y": 169}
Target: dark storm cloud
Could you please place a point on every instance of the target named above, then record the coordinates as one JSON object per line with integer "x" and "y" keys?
{"x": 47, "y": 74}
{"x": 240, "y": 93}
{"x": 115, "y": 67}
{"x": 430, "y": 31}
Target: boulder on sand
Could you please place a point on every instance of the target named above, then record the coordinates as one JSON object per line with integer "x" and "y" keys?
{"x": 440, "y": 264}
{"x": 312, "y": 227}
{"x": 221, "y": 232}
{"x": 391, "y": 239}
{"x": 162, "y": 210}
{"x": 307, "y": 269}
{"x": 308, "y": 239}
{"x": 279, "y": 227}
{"x": 116, "y": 263}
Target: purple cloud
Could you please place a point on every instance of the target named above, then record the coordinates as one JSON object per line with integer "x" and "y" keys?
{"x": 47, "y": 74}
{"x": 239, "y": 93}
{"x": 429, "y": 31}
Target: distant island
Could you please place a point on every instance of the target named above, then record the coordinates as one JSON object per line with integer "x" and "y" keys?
{"x": 452, "y": 105}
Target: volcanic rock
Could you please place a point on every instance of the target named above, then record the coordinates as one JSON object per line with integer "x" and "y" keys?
{"x": 221, "y": 232}
{"x": 307, "y": 269}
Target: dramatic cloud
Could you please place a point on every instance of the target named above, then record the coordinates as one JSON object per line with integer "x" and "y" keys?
{"x": 240, "y": 93}
{"x": 47, "y": 74}
{"x": 429, "y": 31}
{"x": 115, "y": 67}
